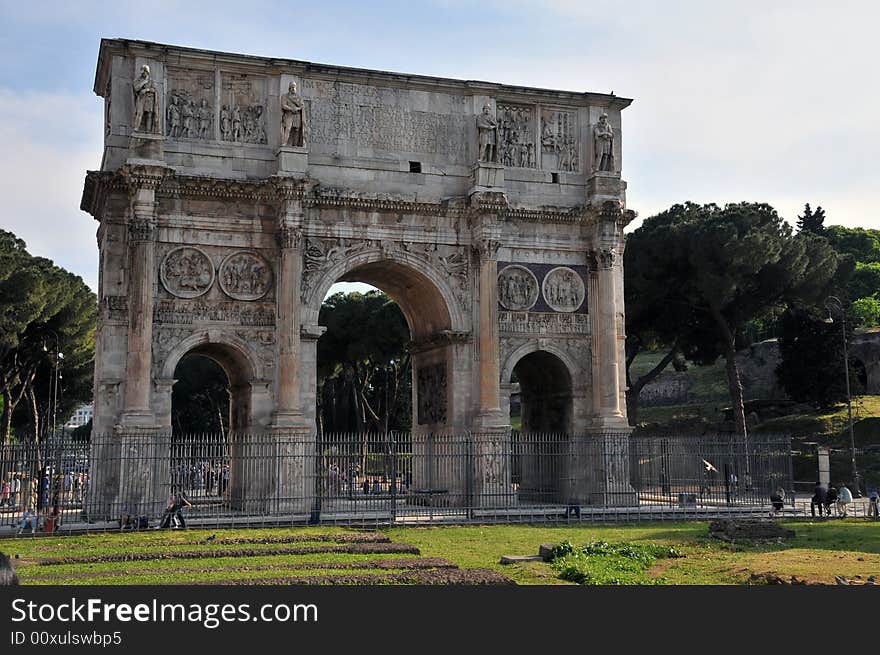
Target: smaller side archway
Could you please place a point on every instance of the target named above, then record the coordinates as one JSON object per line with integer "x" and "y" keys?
{"x": 540, "y": 448}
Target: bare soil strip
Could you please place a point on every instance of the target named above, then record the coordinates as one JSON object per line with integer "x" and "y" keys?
{"x": 355, "y": 548}
{"x": 416, "y": 563}
{"x": 426, "y": 577}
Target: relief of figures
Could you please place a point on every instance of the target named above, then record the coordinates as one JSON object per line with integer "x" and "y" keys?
{"x": 563, "y": 289}
{"x": 187, "y": 272}
{"x": 146, "y": 103}
{"x": 431, "y": 394}
{"x": 187, "y": 119}
{"x": 517, "y": 288}
{"x": 245, "y": 276}
{"x": 559, "y": 141}
{"x": 246, "y": 125}
{"x": 517, "y": 136}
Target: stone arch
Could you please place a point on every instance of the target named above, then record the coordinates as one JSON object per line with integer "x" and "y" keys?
{"x": 534, "y": 345}
{"x": 546, "y": 391}
{"x": 436, "y": 321}
{"x": 243, "y": 369}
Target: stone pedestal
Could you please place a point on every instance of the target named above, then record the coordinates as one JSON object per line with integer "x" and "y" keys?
{"x": 493, "y": 486}
{"x": 292, "y": 160}
{"x": 146, "y": 148}
{"x": 487, "y": 177}
{"x": 609, "y": 485}
{"x": 603, "y": 185}
{"x": 144, "y": 474}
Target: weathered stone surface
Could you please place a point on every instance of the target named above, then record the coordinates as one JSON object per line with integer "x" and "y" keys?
{"x": 545, "y": 552}
{"x": 518, "y": 559}
{"x": 234, "y": 191}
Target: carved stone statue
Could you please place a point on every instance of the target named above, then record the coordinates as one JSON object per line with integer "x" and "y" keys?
{"x": 293, "y": 118}
{"x": 145, "y": 102}
{"x": 204, "y": 119}
{"x": 603, "y": 144}
{"x": 487, "y": 127}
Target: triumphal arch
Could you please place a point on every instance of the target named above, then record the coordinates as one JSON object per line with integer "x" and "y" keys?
{"x": 235, "y": 190}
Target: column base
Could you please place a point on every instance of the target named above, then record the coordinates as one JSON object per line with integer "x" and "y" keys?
{"x": 613, "y": 424}
{"x": 292, "y": 160}
{"x": 290, "y": 421}
{"x": 140, "y": 420}
{"x": 491, "y": 422}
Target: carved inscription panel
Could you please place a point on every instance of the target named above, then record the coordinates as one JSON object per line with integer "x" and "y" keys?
{"x": 186, "y": 272}
{"x": 391, "y": 119}
{"x": 432, "y": 394}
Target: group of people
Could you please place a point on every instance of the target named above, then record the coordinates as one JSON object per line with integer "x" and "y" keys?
{"x": 824, "y": 498}
{"x": 203, "y": 478}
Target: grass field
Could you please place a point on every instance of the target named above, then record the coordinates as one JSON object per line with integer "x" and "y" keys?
{"x": 458, "y": 554}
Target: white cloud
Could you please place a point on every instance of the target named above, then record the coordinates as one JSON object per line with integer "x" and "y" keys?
{"x": 50, "y": 141}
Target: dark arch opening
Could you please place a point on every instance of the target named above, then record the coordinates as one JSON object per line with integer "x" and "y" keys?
{"x": 540, "y": 447}
{"x": 545, "y": 392}
{"x": 200, "y": 396}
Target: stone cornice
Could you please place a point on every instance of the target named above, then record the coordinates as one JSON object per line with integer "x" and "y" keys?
{"x": 274, "y": 190}
{"x": 437, "y": 340}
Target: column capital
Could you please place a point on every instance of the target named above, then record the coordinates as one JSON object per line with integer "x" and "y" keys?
{"x": 487, "y": 248}
{"x": 601, "y": 259}
{"x": 142, "y": 229}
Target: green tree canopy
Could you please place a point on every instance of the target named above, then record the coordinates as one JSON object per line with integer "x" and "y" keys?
{"x": 862, "y": 244}
{"x": 812, "y": 221}
{"x": 723, "y": 267}
{"x": 364, "y": 373}
{"x": 44, "y": 310}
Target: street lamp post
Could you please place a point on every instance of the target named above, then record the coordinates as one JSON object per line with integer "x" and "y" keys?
{"x": 833, "y": 303}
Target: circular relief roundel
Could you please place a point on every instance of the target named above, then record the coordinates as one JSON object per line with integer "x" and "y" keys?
{"x": 245, "y": 276}
{"x": 517, "y": 288}
{"x": 187, "y": 272}
{"x": 563, "y": 289}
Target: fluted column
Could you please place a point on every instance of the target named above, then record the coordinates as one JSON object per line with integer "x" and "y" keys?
{"x": 288, "y": 411}
{"x": 603, "y": 326}
{"x": 487, "y": 252}
{"x": 141, "y": 273}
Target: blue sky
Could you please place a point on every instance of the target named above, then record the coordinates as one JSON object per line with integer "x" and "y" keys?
{"x": 766, "y": 101}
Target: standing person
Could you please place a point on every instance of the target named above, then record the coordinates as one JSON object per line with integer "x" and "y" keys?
{"x": 4, "y": 493}
{"x": 14, "y": 489}
{"x": 844, "y": 498}
{"x": 873, "y": 503}
{"x": 830, "y": 499}
{"x": 777, "y": 500}
{"x": 820, "y": 498}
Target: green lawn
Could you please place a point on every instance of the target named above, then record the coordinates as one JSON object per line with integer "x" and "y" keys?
{"x": 819, "y": 552}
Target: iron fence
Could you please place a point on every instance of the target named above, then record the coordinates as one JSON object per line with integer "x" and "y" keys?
{"x": 130, "y": 480}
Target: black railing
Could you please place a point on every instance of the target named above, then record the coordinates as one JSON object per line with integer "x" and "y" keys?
{"x": 396, "y": 478}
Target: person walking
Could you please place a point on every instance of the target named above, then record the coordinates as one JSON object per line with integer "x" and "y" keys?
{"x": 176, "y": 502}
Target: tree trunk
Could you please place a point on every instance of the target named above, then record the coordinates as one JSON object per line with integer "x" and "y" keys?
{"x": 734, "y": 383}
{"x": 634, "y": 389}
{"x": 6, "y": 417}
{"x": 35, "y": 412}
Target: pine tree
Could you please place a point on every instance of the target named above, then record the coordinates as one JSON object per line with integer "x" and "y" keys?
{"x": 812, "y": 221}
